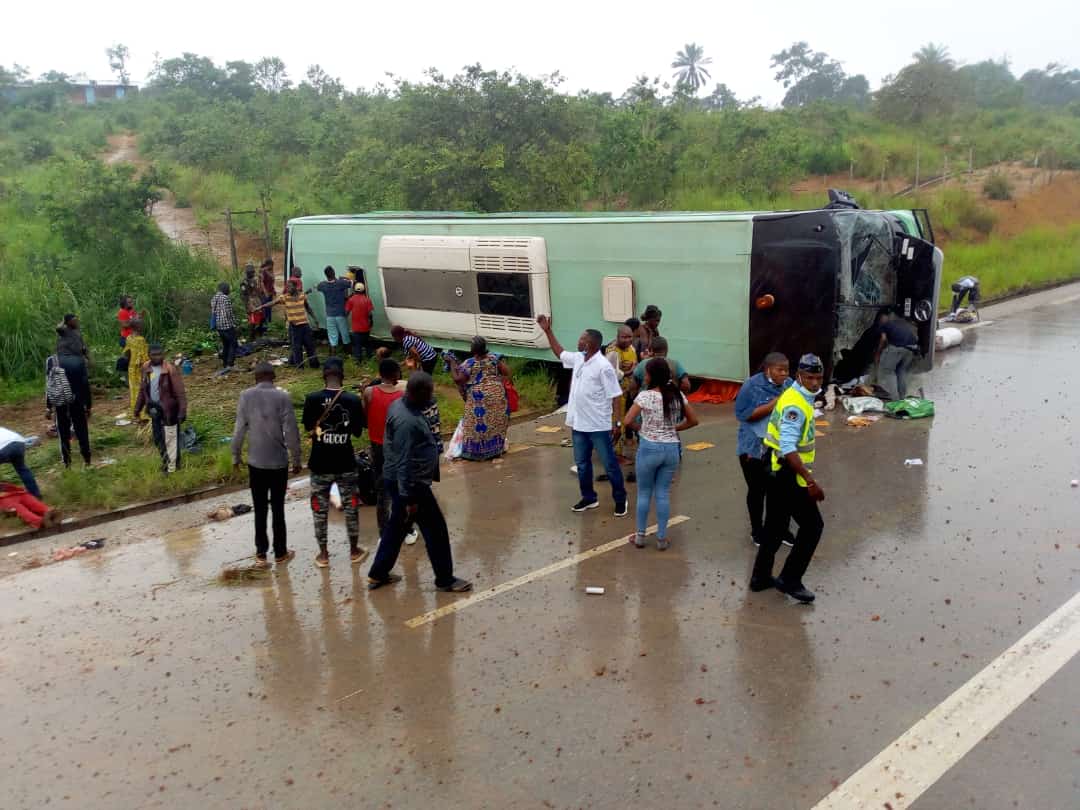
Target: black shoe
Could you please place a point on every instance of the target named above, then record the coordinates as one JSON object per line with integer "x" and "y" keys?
{"x": 602, "y": 477}
{"x": 759, "y": 585}
{"x": 631, "y": 477}
{"x": 798, "y": 592}
{"x": 789, "y": 540}
{"x": 583, "y": 504}
{"x": 620, "y": 509}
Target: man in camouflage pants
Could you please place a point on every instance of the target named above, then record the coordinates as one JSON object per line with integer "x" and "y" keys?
{"x": 333, "y": 416}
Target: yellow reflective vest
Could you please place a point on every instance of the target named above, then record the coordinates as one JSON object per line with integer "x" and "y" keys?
{"x": 791, "y": 398}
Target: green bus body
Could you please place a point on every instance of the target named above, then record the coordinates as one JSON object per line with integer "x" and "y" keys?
{"x": 695, "y": 266}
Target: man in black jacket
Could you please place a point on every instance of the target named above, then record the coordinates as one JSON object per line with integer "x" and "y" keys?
{"x": 411, "y": 458}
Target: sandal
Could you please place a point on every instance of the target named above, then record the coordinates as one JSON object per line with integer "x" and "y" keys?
{"x": 637, "y": 540}
{"x": 284, "y": 558}
{"x": 457, "y": 586}
{"x": 358, "y": 554}
{"x": 323, "y": 559}
{"x": 374, "y": 584}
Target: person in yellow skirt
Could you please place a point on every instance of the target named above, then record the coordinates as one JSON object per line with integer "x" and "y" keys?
{"x": 138, "y": 353}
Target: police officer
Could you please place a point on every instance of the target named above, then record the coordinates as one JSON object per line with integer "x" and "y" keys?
{"x": 792, "y": 491}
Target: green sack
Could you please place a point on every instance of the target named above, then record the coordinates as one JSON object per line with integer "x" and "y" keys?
{"x": 910, "y": 408}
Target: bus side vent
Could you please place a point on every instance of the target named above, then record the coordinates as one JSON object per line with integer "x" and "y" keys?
{"x": 500, "y": 264}
{"x": 502, "y": 244}
{"x": 504, "y": 325}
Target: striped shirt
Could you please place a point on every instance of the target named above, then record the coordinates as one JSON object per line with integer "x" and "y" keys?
{"x": 222, "y": 311}
{"x": 421, "y": 346}
{"x": 295, "y": 313}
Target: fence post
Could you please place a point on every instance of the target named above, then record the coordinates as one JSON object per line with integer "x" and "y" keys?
{"x": 266, "y": 230}
{"x": 851, "y": 171}
{"x": 232, "y": 241}
{"x": 971, "y": 160}
{"x": 918, "y": 159}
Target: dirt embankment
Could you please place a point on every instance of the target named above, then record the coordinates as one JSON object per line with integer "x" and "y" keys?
{"x": 180, "y": 224}
{"x": 1039, "y": 197}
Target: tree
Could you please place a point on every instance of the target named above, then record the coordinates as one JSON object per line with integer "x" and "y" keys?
{"x": 690, "y": 68}
{"x": 721, "y": 98}
{"x": 188, "y": 71}
{"x": 323, "y": 83}
{"x": 990, "y": 84}
{"x": 118, "y": 58}
{"x": 926, "y": 88}
{"x": 811, "y": 76}
{"x": 270, "y": 74}
{"x": 1057, "y": 85}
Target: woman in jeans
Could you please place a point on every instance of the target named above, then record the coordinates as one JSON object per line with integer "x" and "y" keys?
{"x": 663, "y": 411}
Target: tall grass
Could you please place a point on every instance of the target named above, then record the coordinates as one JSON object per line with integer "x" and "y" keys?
{"x": 1035, "y": 258}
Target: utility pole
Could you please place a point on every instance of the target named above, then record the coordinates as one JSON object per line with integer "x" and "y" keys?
{"x": 232, "y": 241}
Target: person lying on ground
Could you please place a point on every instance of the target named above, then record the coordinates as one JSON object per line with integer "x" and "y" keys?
{"x": 28, "y": 508}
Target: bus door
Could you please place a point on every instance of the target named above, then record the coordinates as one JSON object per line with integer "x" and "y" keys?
{"x": 918, "y": 284}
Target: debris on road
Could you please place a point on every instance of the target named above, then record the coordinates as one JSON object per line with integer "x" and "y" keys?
{"x": 594, "y": 589}
{"x": 862, "y": 421}
{"x": 226, "y": 512}
{"x": 548, "y": 429}
{"x": 910, "y": 408}
{"x": 913, "y": 462}
{"x": 700, "y": 446}
{"x": 67, "y": 553}
{"x": 857, "y": 405}
{"x": 243, "y": 573}
{"x": 1074, "y": 483}
{"x": 948, "y": 337}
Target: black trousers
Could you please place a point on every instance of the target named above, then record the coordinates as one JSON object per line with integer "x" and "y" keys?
{"x": 302, "y": 340}
{"x": 429, "y": 518}
{"x": 784, "y": 502}
{"x": 429, "y": 365}
{"x": 73, "y": 418}
{"x": 756, "y": 473}
{"x": 268, "y": 490}
{"x": 229, "y": 342}
{"x": 360, "y": 346}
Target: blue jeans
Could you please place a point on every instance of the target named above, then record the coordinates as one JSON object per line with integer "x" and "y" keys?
{"x": 15, "y": 455}
{"x": 337, "y": 329}
{"x": 656, "y": 466}
{"x": 584, "y": 443}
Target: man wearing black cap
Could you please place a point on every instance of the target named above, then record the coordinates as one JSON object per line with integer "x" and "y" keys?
{"x": 265, "y": 416}
{"x": 792, "y": 491}
{"x": 333, "y": 416}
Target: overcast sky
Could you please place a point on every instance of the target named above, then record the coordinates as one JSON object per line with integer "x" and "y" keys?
{"x": 601, "y": 46}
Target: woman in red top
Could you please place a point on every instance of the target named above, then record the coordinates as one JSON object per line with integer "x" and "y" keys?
{"x": 125, "y": 316}
{"x": 359, "y": 307}
{"x": 378, "y": 397}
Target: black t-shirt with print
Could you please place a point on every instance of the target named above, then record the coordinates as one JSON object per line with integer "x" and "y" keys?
{"x": 332, "y": 451}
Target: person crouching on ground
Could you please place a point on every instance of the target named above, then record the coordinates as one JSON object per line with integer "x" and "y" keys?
{"x": 663, "y": 412}
{"x": 410, "y": 465}
{"x": 418, "y": 352}
{"x": 265, "y": 415}
{"x": 162, "y": 394}
{"x": 333, "y": 416}
{"x": 793, "y": 491}
{"x": 753, "y": 406}
{"x": 594, "y": 393}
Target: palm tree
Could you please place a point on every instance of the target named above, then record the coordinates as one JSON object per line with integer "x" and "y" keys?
{"x": 933, "y": 54}
{"x": 689, "y": 67}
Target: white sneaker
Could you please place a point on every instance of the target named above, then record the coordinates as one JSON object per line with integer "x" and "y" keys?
{"x": 412, "y": 536}
{"x": 574, "y": 469}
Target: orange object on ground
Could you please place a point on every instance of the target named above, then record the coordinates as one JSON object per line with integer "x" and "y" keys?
{"x": 715, "y": 392}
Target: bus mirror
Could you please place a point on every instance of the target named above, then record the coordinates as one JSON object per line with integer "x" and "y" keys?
{"x": 765, "y": 301}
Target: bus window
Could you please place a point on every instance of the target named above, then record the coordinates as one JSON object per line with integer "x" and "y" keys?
{"x": 505, "y": 294}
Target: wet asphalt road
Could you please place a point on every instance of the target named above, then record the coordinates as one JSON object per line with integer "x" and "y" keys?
{"x": 131, "y": 678}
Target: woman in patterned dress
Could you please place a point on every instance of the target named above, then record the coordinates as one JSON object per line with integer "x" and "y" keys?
{"x": 487, "y": 410}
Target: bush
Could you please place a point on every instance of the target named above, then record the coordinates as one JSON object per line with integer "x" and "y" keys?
{"x": 997, "y": 187}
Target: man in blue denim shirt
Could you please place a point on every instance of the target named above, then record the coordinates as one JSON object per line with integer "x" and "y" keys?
{"x": 753, "y": 406}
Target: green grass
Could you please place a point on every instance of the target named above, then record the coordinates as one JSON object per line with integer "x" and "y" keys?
{"x": 1035, "y": 258}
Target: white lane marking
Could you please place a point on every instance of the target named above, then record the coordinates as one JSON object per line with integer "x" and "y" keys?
{"x": 906, "y": 769}
{"x": 532, "y": 576}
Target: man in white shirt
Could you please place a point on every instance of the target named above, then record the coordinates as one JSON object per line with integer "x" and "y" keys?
{"x": 594, "y": 391}
{"x": 13, "y": 451}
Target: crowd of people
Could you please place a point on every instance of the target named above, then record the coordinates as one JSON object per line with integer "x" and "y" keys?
{"x": 627, "y": 404}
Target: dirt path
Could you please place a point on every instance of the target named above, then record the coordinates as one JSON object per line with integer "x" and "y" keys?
{"x": 180, "y": 224}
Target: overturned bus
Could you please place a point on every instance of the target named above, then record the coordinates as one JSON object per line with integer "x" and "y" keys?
{"x": 732, "y": 286}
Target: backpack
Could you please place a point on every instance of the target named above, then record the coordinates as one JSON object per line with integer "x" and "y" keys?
{"x": 365, "y": 478}
{"x": 57, "y": 388}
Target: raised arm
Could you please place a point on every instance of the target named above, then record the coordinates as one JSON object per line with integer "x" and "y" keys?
{"x": 544, "y": 321}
